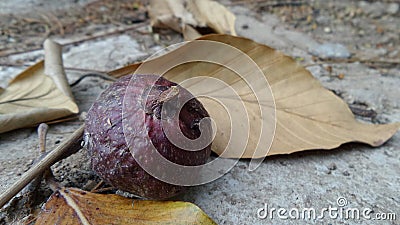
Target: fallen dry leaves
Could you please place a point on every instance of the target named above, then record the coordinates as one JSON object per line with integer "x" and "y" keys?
{"x": 75, "y": 206}
{"x": 31, "y": 98}
{"x": 185, "y": 15}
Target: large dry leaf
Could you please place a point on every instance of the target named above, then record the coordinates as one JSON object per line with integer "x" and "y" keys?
{"x": 183, "y": 15}
{"x": 32, "y": 98}
{"x": 74, "y": 206}
{"x": 308, "y": 116}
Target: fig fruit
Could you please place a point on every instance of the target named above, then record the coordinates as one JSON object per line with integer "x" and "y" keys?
{"x": 111, "y": 156}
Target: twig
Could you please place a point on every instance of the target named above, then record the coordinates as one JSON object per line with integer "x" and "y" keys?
{"x": 65, "y": 119}
{"x": 102, "y": 76}
{"x": 85, "y": 70}
{"x": 104, "y": 189}
{"x": 352, "y": 60}
{"x": 66, "y": 68}
{"x": 97, "y": 186}
{"x": 58, "y": 22}
{"x": 32, "y": 186}
{"x": 91, "y": 73}
{"x": 266, "y": 3}
{"x": 65, "y": 149}
{"x": 27, "y": 195}
{"x": 15, "y": 65}
{"x": 8, "y": 52}
{"x": 47, "y": 24}
{"x": 117, "y": 31}
{"x": 51, "y": 180}
{"x": 42, "y": 133}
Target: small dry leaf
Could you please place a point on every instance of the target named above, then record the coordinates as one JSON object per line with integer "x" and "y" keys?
{"x": 75, "y": 206}
{"x": 183, "y": 15}
{"x": 308, "y": 116}
{"x": 169, "y": 14}
{"x": 189, "y": 33}
{"x": 32, "y": 98}
{"x": 212, "y": 14}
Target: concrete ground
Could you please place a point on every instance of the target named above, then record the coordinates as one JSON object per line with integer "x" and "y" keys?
{"x": 356, "y": 174}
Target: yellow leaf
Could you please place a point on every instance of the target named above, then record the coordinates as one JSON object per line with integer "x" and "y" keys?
{"x": 183, "y": 15}
{"x": 308, "y": 116}
{"x": 75, "y": 206}
{"x": 32, "y": 98}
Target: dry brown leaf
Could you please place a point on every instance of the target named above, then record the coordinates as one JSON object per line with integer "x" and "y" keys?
{"x": 74, "y": 206}
{"x": 169, "y": 14}
{"x": 32, "y": 98}
{"x": 308, "y": 116}
{"x": 54, "y": 67}
{"x": 212, "y": 14}
{"x": 183, "y": 15}
{"x": 189, "y": 33}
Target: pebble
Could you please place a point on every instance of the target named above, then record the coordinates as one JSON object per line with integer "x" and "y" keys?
{"x": 327, "y": 30}
{"x": 331, "y": 50}
{"x": 393, "y": 8}
{"x": 346, "y": 173}
{"x": 332, "y": 166}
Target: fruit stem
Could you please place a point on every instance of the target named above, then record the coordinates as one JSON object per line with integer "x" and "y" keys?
{"x": 168, "y": 94}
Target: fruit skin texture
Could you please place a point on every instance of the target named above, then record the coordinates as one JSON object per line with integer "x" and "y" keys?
{"x": 110, "y": 156}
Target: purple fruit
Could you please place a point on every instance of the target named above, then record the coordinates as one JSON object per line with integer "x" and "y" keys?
{"x": 111, "y": 157}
